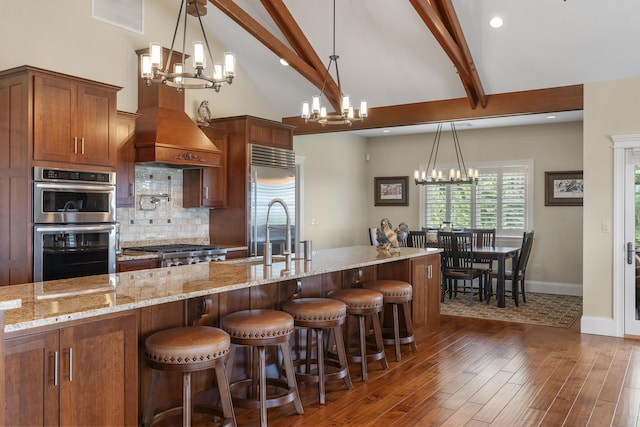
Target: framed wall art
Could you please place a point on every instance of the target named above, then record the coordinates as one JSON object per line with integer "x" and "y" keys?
{"x": 391, "y": 191}
{"x": 564, "y": 188}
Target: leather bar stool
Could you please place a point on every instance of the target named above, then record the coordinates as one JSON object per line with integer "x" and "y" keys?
{"x": 363, "y": 305}
{"x": 188, "y": 349}
{"x": 396, "y": 293}
{"x": 260, "y": 329}
{"x": 318, "y": 315}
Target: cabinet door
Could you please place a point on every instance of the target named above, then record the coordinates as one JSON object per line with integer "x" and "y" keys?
{"x": 99, "y": 387}
{"x": 425, "y": 279}
{"x": 54, "y": 119}
{"x": 31, "y": 397}
{"x": 96, "y": 126}
{"x": 433, "y": 291}
{"x": 126, "y": 157}
{"x": 207, "y": 187}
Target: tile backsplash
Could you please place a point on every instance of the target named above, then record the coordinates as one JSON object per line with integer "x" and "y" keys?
{"x": 158, "y": 215}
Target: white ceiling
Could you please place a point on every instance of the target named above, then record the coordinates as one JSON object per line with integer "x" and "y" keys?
{"x": 388, "y": 56}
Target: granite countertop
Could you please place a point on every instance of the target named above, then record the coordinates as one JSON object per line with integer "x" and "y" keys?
{"x": 57, "y": 301}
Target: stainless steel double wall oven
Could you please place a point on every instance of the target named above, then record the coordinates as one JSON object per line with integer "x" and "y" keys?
{"x": 74, "y": 223}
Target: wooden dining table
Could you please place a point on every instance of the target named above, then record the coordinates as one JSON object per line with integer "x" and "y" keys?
{"x": 500, "y": 254}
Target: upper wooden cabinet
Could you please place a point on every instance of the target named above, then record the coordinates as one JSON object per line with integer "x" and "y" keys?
{"x": 126, "y": 157}
{"x": 207, "y": 187}
{"x": 255, "y": 130}
{"x": 74, "y": 121}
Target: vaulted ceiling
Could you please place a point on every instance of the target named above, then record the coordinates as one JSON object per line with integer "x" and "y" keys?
{"x": 423, "y": 61}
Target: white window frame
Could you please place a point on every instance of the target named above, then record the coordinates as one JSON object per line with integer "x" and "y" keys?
{"x": 529, "y": 195}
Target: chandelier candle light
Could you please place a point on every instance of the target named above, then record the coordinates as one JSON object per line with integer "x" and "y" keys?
{"x": 432, "y": 176}
{"x": 153, "y": 71}
{"x": 317, "y": 113}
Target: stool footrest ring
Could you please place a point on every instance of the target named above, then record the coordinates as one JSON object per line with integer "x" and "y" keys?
{"x": 285, "y": 396}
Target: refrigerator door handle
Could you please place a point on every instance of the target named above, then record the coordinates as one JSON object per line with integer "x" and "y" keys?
{"x": 254, "y": 212}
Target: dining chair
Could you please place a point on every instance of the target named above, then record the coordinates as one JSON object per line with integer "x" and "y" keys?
{"x": 518, "y": 270}
{"x": 483, "y": 237}
{"x": 417, "y": 239}
{"x": 457, "y": 264}
{"x": 373, "y": 236}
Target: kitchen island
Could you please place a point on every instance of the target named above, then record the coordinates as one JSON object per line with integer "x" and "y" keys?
{"x": 90, "y": 328}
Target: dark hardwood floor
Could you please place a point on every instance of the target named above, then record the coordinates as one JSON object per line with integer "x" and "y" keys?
{"x": 476, "y": 372}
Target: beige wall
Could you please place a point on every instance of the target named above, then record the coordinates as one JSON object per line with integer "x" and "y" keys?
{"x": 82, "y": 46}
{"x": 335, "y": 189}
{"x": 610, "y": 108}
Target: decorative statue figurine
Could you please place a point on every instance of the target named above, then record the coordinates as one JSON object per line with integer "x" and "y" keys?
{"x": 388, "y": 237}
{"x": 204, "y": 114}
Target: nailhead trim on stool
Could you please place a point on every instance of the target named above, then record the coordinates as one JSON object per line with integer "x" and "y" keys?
{"x": 396, "y": 293}
{"x": 188, "y": 349}
{"x": 316, "y": 315}
{"x": 363, "y": 303}
{"x": 258, "y": 329}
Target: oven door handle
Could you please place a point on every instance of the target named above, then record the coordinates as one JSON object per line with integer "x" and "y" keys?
{"x": 74, "y": 227}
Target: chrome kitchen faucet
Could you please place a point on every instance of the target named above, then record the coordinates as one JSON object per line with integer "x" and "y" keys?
{"x": 268, "y": 252}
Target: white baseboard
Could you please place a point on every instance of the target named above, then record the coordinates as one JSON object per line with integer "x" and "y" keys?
{"x": 553, "y": 288}
{"x": 598, "y": 326}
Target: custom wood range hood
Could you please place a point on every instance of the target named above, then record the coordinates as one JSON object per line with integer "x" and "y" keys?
{"x": 165, "y": 134}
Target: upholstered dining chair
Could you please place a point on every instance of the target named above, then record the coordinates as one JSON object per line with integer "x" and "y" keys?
{"x": 518, "y": 270}
{"x": 457, "y": 264}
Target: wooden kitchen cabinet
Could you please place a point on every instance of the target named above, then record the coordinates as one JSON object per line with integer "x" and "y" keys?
{"x": 229, "y": 226}
{"x": 425, "y": 278}
{"x": 126, "y": 158}
{"x": 207, "y": 187}
{"x": 40, "y": 114}
{"x": 75, "y": 376}
{"x": 74, "y": 121}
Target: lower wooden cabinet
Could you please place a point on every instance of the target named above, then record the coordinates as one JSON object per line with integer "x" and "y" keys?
{"x": 76, "y": 376}
{"x": 425, "y": 278}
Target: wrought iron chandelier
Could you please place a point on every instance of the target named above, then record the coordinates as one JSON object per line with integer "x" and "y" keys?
{"x": 317, "y": 113}
{"x": 432, "y": 176}
{"x": 154, "y": 71}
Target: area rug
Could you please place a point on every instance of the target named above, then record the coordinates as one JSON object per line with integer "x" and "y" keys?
{"x": 560, "y": 311}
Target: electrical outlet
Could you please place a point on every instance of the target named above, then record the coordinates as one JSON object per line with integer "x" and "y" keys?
{"x": 606, "y": 227}
{"x": 314, "y": 221}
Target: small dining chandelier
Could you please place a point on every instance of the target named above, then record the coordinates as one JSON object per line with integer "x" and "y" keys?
{"x": 153, "y": 70}
{"x": 432, "y": 176}
{"x": 317, "y": 113}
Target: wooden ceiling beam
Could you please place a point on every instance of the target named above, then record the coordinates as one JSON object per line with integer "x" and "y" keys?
{"x": 566, "y": 98}
{"x": 296, "y": 38}
{"x": 253, "y": 27}
{"x": 447, "y": 11}
{"x": 440, "y": 18}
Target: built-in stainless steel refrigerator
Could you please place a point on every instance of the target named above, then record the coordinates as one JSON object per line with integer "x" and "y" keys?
{"x": 273, "y": 175}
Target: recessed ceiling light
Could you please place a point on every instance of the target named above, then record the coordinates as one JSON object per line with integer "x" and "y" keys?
{"x": 496, "y": 22}
{"x": 551, "y": 116}
{"x": 284, "y": 62}
{"x": 386, "y": 131}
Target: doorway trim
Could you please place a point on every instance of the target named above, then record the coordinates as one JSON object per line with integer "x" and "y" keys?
{"x": 621, "y": 143}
